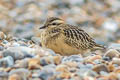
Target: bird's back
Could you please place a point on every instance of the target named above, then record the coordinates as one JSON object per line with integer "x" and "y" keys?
{"x": 78, "y": 38}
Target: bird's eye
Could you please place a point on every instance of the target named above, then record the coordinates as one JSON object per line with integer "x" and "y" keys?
{"x": 54, "y": 24}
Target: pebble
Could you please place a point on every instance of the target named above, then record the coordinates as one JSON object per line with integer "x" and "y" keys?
{"x": 2, "y": 36}
{"x": 111, "y": 53}
{"x": 114, "y": 45}
{"x": 46, "y": 60}
{"x": 57, "y": 59}
{"x": 21, "y": 63}
{"x": 46, "y": 74}
{"x": 18, "y": 52}
{"x": 34, "y": 63}
{"x": 19, "y": 74}
{"x": 113, "y": 25}
{"x": 4, "y": 75}
{"x": 100, "y": 67}
{"x": 1, "y": 48}
{"x": 86, "y": 73}
{"x": 116, "y": 61}
{"x": 15, "y": 77}
{"x": 7, "y": 62}
{"x": 75, "y": 58}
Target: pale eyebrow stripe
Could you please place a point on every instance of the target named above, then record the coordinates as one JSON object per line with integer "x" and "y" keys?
{"x": 57, "y": 21}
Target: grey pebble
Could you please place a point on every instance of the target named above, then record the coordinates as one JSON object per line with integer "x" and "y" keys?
{"x": 46, "y": 74}
{"x": 75, "y": 58}
{"x": 3, "y": 74}
{"x": 44, "y": 62}
{"x": 114, "y": 46}
{"x": 1, "y": 48}
{"x": 7, "y": 62}
{"x": 86, "y": 72}
{"x": 18, "y": 52}
{"x": 23, "y": 73}
{"x": 103, "y": 73}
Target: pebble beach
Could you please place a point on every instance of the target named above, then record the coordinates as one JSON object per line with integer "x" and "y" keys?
{"x": 22, "y": 57}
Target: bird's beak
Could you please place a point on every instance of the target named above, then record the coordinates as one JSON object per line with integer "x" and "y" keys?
{"x": 42, "y": 27}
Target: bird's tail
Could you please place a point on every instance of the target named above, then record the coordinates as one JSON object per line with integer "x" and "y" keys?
{"x": 99, "y": 47}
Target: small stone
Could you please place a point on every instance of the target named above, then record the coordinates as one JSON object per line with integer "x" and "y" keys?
{"x": 34, "y": 63}
{"x": 93, "y": 59}
{"x": 6, "y": 62}
{"x": 116, "y": 61}
{"x": 112, "y": 76}
{"x": 114, "y": 46}
{"x": 19, "y": 74}
{"x": 89, "y": 66}
{"x": 100, "y": 67}
{"x": 110, "y": 25}
{"x": 5, "y": 41}
{"x": 44, "y": 52}
{"x": 103, "y": 73}
{"x": 15, "y": 44}
{"x": 106, "y": 58}
{"x": 97, "y": 61}
{"x": 46, "y": 60}
{"x": 3, "y": 75}
{"x": 1, "y": 48}
{"x": 21, "y": 63}
{"x": 71, "y": 64}
{"x": 65, "y": 75}
{"x": 18, "y": 52}
{"x": 111, "y": 67}
{"x": 62, "y": 68}
{"x": 112, "y": 53}
{"x": 2, "y": 35}
{"x": 46, "y": 74}
{"x": 117, "y": 70}
{"x": 15, "y": 77}
{"x": 75, "y": 58}
{"x": 57, "y": 59}
{"x": 86, "y": 72}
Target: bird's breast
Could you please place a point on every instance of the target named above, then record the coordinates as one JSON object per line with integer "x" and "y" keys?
{"x": 59, "y": 46}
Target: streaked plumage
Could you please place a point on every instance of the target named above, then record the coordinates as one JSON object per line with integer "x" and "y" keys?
{"x": 65, "y": 39}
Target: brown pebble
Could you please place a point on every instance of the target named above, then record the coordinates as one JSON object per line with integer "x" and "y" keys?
{"x": 62, "y": 68}
{"x": 112, "y": 76}
{"x": 65, "y": 75}
{"x": 71, "y": 64}
{"x": 34, "y": 63}
{"x": 100, "y": 67}
{"x": 90, "y": 59}
{"x": 117, "y": 70}
{"x": 111, "y": 67}
{"x": 57, "y": 59}
{"x": 14, "y": 77}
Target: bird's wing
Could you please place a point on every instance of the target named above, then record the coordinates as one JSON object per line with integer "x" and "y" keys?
{"x": 78, "y": 38}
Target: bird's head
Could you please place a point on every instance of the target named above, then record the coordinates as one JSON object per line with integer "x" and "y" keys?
{"x": 52, "y": 22}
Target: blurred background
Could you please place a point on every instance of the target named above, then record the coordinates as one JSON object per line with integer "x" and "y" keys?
{"x": 99, "y": 18}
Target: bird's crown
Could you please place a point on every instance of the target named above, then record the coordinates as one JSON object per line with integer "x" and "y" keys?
{"x": 52, "y": 21}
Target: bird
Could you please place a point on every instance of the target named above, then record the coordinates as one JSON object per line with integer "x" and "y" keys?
{"x": 65, "y": 39}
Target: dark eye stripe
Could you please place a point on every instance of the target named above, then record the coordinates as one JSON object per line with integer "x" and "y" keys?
{"x": 55, "y": 24}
